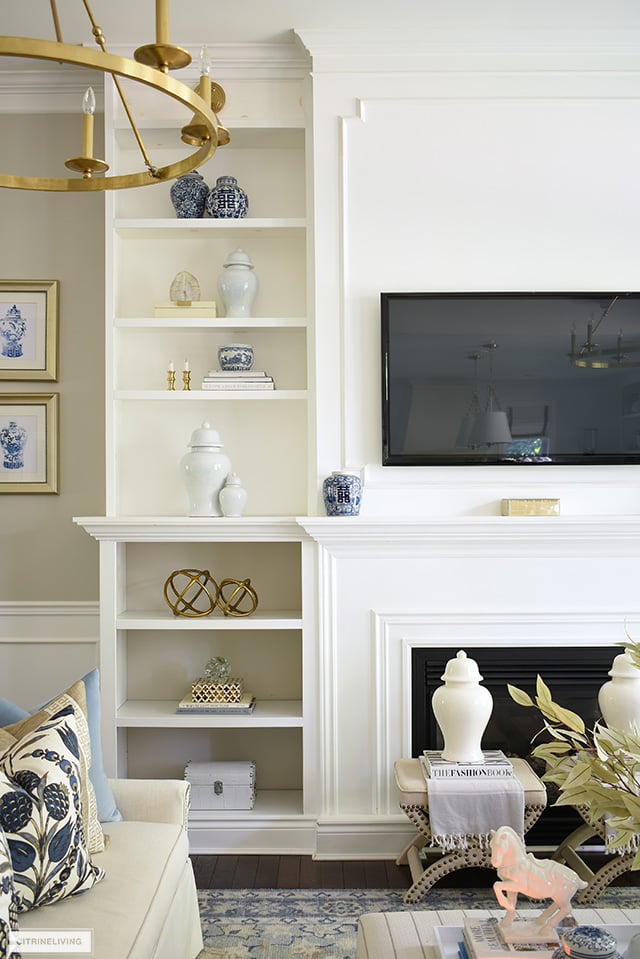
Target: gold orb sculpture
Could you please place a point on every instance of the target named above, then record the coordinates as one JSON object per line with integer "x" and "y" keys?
{"x": 191, "y": 592}
{"x": 235, "y": 595}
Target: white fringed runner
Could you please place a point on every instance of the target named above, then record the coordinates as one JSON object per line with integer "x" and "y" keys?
{"x": 461, "y": 810}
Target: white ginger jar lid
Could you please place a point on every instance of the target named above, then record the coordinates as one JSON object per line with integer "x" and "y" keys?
{"x": 238, "y": 258}
{"x": 461, "y": 670}
{"x": 205, "y": 436}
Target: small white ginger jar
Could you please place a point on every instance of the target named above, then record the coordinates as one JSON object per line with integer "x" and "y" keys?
{"x": 619, "y": 698}
{"x": 204, "y": 470}
{"x": 233, "y": 496}
{"x": 238, "y": 284}
{"x": 462, "y": 708}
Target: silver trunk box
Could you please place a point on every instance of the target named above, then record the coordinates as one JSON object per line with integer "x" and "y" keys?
{"x": 230, "y": 785}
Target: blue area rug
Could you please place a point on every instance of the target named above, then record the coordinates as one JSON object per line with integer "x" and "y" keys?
{"x": 322, "y": 923}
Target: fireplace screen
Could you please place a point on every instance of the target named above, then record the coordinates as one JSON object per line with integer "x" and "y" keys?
{"x": 574, "y": 676}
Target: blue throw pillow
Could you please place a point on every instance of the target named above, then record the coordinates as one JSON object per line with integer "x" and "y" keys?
{"x": 10, "y": 713}
{"x": 107, "y": 809}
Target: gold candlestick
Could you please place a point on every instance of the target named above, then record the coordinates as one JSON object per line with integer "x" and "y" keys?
{"x": 186, "y": 379}
{"x": 171, "y": 379}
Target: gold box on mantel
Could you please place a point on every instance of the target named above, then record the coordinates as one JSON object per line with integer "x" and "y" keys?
{"x": 199, "y": 310}
{"x": 205, "y": 692}
{"x": 530, "y": 507}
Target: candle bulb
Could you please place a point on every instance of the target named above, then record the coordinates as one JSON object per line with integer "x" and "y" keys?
{"x": 162, "y": 22}
{"x": 171, "y": 367}
{"x": 186, "y": 366}
{"x": 204, "y": 87}
{"x": 88, "y": 110}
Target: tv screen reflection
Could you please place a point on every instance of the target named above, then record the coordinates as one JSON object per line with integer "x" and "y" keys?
{"x": 510, "y": 378}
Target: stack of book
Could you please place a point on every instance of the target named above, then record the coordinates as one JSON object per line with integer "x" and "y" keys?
{"x": 237, "y": 380}
{"x": 245, "y": 705}
{"x": 494, "y": 763}
{"x": 482, "y": 939}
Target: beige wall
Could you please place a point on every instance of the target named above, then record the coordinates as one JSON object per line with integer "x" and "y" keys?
{"x": 43, "y": 555}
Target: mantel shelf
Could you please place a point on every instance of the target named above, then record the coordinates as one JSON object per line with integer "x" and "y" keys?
{"x": 157, "y": 713}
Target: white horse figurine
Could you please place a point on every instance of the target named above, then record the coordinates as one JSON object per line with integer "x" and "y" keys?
{"x": 520, "y": 871}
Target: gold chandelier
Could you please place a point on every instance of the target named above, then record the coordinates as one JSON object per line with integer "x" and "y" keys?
{"x": 150, "y": 67}
{"x": 591, "y": 356}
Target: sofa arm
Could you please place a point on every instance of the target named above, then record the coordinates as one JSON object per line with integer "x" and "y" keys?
{"x": 152, "y": 800}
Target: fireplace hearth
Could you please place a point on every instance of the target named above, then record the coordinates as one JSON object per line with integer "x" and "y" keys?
{"x": 574, "y": 675}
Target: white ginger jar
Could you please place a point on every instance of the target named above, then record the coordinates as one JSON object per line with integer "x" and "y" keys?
{"x": 204, "y": 471}
{"x": 462, "y": 708}
{"x": 619, "y": 698}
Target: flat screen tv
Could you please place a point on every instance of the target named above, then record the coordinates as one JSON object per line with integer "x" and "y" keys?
{"x": 541, "y": 379}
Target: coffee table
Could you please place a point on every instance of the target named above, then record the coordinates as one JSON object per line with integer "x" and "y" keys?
{"x": 410, "y": 934}
{"x": 413, "y": 790}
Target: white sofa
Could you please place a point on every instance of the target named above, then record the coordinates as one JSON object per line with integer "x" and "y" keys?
{"x": 146, "y": 907}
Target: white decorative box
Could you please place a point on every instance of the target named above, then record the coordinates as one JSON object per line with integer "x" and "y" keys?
{"x": 230, "y": 785}
{"x": 199, "y": 310}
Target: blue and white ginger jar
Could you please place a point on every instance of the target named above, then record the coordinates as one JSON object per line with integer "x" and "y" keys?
{"x": 342, "y": 493}
{"x": 227, "y": 200}
{"x": 13, "y": 326}
{"x": 189, "y": 196}
{"x": 13, "y": 439}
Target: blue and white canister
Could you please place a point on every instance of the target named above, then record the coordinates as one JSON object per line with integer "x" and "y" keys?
{"x": 342, "y": 493}
{"x": 227, "y": 200}
{"x": 189, "y": 195}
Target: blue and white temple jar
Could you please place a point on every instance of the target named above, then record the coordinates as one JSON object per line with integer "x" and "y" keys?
{"x": 227, "y": 200}
{"x": 13, "y": 439}
{"x": 13, "y": 326}
{"x": 342, "y": 493}
{"x": 189, "y": 195}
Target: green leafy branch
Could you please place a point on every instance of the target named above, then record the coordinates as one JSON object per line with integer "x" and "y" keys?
{"x": 598, "y": 769}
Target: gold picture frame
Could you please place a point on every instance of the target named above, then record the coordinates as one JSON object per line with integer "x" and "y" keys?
{"x": 29, "y": 329}
{"x": 28, "y": 442}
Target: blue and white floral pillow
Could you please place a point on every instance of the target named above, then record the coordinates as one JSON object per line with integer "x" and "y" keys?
{"x": 8, "y": 903}
{"x": 41, "y": 812}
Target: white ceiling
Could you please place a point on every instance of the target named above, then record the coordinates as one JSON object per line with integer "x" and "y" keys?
{"x": 248, "y": 21}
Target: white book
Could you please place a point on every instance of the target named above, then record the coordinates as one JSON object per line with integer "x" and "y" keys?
{"x": 239, "y": 385}
{"x": 494, "y": 764}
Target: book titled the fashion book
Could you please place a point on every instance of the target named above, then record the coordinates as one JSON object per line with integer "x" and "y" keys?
{"x": 483, "y": 940}
{"x": 494, "y": 763}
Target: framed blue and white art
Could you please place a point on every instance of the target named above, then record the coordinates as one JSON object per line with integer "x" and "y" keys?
{"x": 29, "y": 330}
{"x": 28, "y": 443}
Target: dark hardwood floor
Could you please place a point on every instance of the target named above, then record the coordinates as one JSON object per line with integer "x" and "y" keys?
{"x": 303, "y": 872}
{"x": 296, "y": 872}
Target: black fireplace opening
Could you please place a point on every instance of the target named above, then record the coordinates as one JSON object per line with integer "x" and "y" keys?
{"x": 573, "y": 674}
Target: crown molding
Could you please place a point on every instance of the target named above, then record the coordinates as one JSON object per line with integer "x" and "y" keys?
{"x": 37, "y": 86}
{"x": 524, "y": 49}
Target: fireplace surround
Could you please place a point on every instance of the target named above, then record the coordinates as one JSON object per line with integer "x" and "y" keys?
{"x": 574, "y": 677}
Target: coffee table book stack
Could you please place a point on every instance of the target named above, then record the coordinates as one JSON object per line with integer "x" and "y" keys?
{"x": 237, "y": 380}
{"x": 494, "y": 764}
{"x": 482, "y": 939}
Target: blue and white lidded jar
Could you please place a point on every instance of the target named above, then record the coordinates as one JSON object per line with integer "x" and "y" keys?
{"x": 587, "y": 942}
{"x": 237, "y": 284}
{"x": 189, "y": 195}
{"x": 342, "y": 493}
{"x": 227, "y": 200}
{"x": 13, "y": 439}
